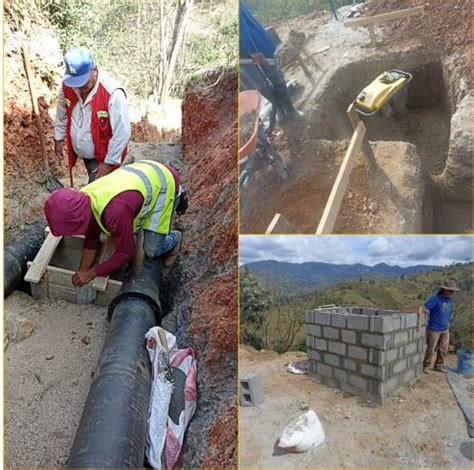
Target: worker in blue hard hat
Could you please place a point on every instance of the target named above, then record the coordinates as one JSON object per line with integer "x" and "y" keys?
{"x": 92, "y": 116}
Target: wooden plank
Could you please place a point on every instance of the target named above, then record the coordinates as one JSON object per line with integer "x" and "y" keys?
{"x": 42, "y": 259}
{"x": 279, "y": 225}
{"x": 373, "y": 39}
{"x": 366, "y": 147}
{"x": 303, "y": 65}
{"x": 100, "y": 282}
{"x": 393, "y": 15}
{"x": 333, "y": 205}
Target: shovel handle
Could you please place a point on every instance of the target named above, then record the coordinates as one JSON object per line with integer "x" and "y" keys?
{"x": 34, "y": 104}
{"x": 164, "y": 341}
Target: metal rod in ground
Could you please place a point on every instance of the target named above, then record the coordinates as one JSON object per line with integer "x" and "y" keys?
{"x": 23, "y": 249}
{"x": 112, "y": 429}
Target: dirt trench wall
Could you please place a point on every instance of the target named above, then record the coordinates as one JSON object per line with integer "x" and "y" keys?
{"x": 204, "y": 314}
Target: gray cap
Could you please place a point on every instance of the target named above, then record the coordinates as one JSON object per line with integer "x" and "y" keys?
{"x": 449, "y": 284}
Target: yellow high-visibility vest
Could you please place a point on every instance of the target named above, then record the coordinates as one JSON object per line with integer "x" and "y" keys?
{"x": 155, "y": 183}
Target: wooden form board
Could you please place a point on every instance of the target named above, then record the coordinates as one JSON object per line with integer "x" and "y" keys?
{"x": 392, "y": 15}
{"x": 42, "y": 259}
{"x": 56, "y": 283}
{"x": 366, "y": 148}
{"x": 371, "y": 21}
{"x": 279, "y": 225}
{"x": 328, "y": 220}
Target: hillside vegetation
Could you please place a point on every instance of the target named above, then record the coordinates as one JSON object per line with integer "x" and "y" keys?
{"x": 281, "y": 325}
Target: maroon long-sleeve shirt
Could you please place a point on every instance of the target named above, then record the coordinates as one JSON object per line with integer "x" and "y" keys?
{"x": 118, "y": 218}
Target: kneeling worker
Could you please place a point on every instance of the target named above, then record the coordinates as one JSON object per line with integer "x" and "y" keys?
{"x": 141, "y": 195}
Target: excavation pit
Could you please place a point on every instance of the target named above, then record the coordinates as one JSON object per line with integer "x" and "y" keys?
{"x": 366, "y": 352}
{"x": 438, "y": 160}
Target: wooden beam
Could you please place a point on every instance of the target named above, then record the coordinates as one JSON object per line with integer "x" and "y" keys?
{"x": 393, "y": 15}
{"x": 100, "y": 282}
{"x": 366, "y": 147}
{"x": 42, "y": 259}
{"x": 328, "y": 220}
{"x": 279, "y": 225}
{"x": 373, "y": 39}
{"x": 303, "y": 65}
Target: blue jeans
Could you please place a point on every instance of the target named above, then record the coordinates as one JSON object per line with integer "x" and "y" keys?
{"x": 156, "y": 244}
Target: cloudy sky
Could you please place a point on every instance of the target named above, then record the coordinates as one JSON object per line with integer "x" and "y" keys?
{"x": 370, "y": 250}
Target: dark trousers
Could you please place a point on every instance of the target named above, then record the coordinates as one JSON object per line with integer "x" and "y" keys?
{"x": 269, "y": 81}
{"x": 91, "y": 167}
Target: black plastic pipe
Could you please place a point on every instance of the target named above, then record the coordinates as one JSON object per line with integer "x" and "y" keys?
{"x": 112, "y": 429}
{"x": 16, "y": 255}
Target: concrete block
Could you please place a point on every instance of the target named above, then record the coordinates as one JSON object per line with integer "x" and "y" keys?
{"x": 410, "y": 348}
{"x": 376, "y": 357}
{"x": 348, "y": 336}
{"x": 400, "y": 338}
{"x": 358, "y": 382}
{"x": 340, "y": 375}
{"x": 322, "y": 369}
{"x": 409, "y": 376}
{"x": 309, "y": 342}
{"x": 421, "y": 344}
{"x": 251, "y": 389}
{"x": 339, "y": 320}
{"x": 416, "y": 359}
{"x": 372, "y": 371}
{"x": 322, "y": 318}
{"x": 315, "y": 355}
{"x": 420, "y": 333}
{"x": 384, "y": 388}
{"x": 320, "y": 344}
{"x": 376, "y": 341}
{"x": 337, "y": 348}
{"x": 411, "y": 320}
{"x": 349, "y": 364}
{"x": 330, "y": 333}
{"x": 357, "y": 353}
{"x": 391, "y": 355}
{"x": 309, "y": 316}
{"x": 399, "y": 366}
{"x": 358, "y": 322}
{"x": 384, "y": 324}
{"x": 332, "y": 360}
{"x": 313, "y": 330}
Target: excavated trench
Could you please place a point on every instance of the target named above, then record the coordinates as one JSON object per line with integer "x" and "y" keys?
{"x": 411, "y": 149}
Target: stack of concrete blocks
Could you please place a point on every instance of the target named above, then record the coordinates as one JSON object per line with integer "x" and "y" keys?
{"x": 364, "y": 351}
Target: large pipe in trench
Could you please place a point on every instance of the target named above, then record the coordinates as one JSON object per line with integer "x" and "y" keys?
{"x": 19, "y": 252}
{"x": 112, "y": 429}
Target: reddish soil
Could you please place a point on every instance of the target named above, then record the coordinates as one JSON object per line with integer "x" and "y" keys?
{"x": 446, "y": 24}
{"x": 209, "y": 143}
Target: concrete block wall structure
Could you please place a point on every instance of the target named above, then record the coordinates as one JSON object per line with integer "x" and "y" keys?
{"x": 365, "y": 351}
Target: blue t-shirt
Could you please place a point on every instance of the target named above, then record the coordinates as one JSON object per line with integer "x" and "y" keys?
{"x": 253, "y": 36}
{"x": 440, "y": 309}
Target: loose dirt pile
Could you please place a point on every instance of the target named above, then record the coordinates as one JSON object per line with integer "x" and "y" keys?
{"x": 445, "y": 23}
{"x": 404, "y": 432}
{"x": 247, "y": 126}
{"x": 207, "y": 319}
{"x": 388, "y": 200}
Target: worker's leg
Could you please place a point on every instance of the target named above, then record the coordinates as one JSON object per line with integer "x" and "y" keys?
{"x": 156, "y": 244}
{"x": 432, "y": 338}
{"x": 443, "y": 345}
{"x": 276, "y": 77}
{"x": 91, "y": 167}
{"x": 252, "y": 78}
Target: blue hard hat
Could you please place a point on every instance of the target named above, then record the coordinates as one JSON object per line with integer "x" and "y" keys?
{"x": 79, "y": 65}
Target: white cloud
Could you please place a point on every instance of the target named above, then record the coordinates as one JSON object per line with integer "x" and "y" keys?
{"x": 378, "y": 247}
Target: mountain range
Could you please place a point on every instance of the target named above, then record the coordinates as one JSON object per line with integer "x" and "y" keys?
{"x": 292, "y": 279}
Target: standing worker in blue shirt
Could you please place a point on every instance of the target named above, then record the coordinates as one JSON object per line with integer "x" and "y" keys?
{"x": 262, "y": 73}
{"x": 440, "y": 307}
